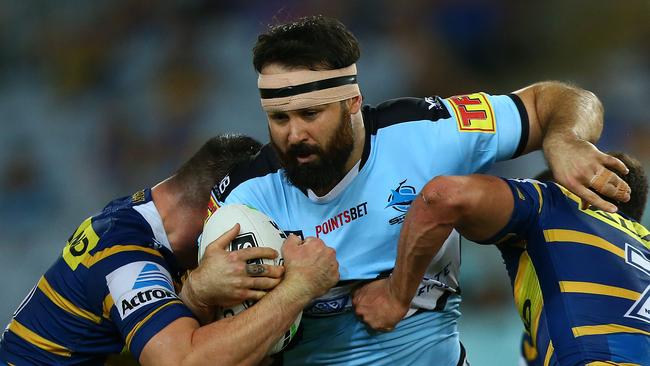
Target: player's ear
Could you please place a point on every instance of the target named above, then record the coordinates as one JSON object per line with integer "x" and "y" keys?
{"x": 354, "y": 104}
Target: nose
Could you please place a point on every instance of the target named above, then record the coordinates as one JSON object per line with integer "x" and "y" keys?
{"x": 297, "y": 131}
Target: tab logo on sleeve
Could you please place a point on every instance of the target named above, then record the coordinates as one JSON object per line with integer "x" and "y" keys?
{"x": 473, "y": 112}
{"x": 139, "y": 284}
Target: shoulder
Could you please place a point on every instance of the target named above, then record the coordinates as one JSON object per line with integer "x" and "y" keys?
{"x": 402, "y": 110}
{"x": 127, "y": 229}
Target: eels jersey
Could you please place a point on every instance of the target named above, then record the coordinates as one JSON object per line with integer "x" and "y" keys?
{"x": 581, "y": 279}
{"x": 111, "y": 287}
{"x": 536, "y": 348}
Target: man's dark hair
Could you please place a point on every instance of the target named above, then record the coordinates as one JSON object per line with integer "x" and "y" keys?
{"x": 211, "y": 164}
{"x": 315, "y": 42}
{"x": 636, "y": 179}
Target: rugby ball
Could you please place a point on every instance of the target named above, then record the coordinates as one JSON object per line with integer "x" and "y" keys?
{"x": 255, "y": 230}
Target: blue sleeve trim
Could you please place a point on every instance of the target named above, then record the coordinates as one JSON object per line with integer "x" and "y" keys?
{"x": 154, "y": 325}
{"x": 509, "y": 226}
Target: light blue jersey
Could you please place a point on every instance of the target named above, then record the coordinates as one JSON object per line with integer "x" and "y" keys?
{"x": 408, "y": 142}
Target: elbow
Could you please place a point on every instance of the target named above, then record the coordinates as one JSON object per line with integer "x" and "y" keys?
{"x": 447, "y": 197}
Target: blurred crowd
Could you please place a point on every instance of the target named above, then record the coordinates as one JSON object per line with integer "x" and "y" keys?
{"x": 100, "y": 98}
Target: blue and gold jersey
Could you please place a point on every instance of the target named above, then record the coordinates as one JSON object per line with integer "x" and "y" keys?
{"x": 111, "y": 287}
{"x": 536, "y": 346}
{"x": 581, "y": 279}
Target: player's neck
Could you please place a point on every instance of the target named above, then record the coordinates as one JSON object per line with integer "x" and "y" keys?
{"x": 359, "y": 140}
{"x": 182, "y": 225}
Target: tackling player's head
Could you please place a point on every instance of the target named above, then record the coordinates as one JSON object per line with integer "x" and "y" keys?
{"x": 309, "y": 91}
{"x": 209, "y": 165}
{"x": 636, "y": 179}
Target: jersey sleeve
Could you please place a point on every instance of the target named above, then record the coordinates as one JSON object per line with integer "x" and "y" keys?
{"x": 140, "y": 298}
{"x": 488, "y": 128}
{"x": 528, "y": 195}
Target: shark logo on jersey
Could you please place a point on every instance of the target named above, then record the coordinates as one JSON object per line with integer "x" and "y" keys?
{"x": 139, "y": 284}
{"x": 401, "y": 197}
{"x": 400, "y": 200}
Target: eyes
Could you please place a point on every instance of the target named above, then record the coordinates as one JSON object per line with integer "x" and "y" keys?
{"x": 307, "y": 114}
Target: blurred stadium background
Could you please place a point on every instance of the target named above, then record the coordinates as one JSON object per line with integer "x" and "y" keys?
{"x": 100, "y": 98}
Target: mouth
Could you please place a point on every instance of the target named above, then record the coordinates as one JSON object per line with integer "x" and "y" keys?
{"x": 305, "y": 158}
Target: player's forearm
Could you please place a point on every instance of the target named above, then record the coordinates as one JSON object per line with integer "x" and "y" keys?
{"x": 245, "y": 338}
{"x": 426, "y": 227}
{"x": 566, "y": 111}
{"x": 478, "y": 206}
{"x": 560, "y": 114}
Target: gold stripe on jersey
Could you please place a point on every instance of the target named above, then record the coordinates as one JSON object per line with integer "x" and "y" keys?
{"x": 587, "y": 330}
{"x": 555, "y": 235}
{"x": 129, "y": 336}
{"x": 64, "y": 303}
{"x": 549, "y": 353}
{"x": 598, "y": 289}
{"x": 105, "y": 253}
{"x": 539, "y": 194}
{"x": 629, "y": 227}
{"x": 530, "y": 351}
{"x": 107, "y": 305}
{"x": 611, "y": 363}
{"x": 38, "y": 341}
{"x": 528, "y": 296}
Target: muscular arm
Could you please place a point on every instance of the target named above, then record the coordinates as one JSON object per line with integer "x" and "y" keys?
{"x": 478, "y": 206}
{"x": 239, "y": 340}
{"x": 565, "y": 121}
{"x": 311, "y": 270}
{"x": 560, "y": 111}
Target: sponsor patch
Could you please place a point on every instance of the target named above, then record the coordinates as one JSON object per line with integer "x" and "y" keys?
{"x": 473, "y": 113}
{"x": 329, "y": 306}
{"x": 139, "y": 284}
{"x": 80, "y": 243}
{"x": 341, "y": 219}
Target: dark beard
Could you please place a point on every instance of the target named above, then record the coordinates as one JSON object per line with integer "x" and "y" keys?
{"x": 322, "y": 174}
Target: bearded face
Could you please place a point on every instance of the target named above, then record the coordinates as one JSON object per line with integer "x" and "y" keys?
{"x": 327, "y": 168}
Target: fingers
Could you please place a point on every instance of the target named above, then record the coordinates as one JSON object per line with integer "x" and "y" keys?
{"x": 264, "y": 270}
{"x": 311, "y": 239}
{"x": 589, "y": 197}
{"x": 292, "y": 239}
{"x": 610, "y": 185}
{"x": 255, "y": 295}
{"x": 615, "y": 164}
{"x": 225, "y": 239}
{"x": 273, "y": 271}
{"x": 264, "y": 283}
{"x": 255, "y": 253}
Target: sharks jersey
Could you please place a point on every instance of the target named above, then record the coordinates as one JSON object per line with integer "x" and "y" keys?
{"x": 112, "y": 287}
{"x": 408, "y": 142}
{"x": 581, "y": 279}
